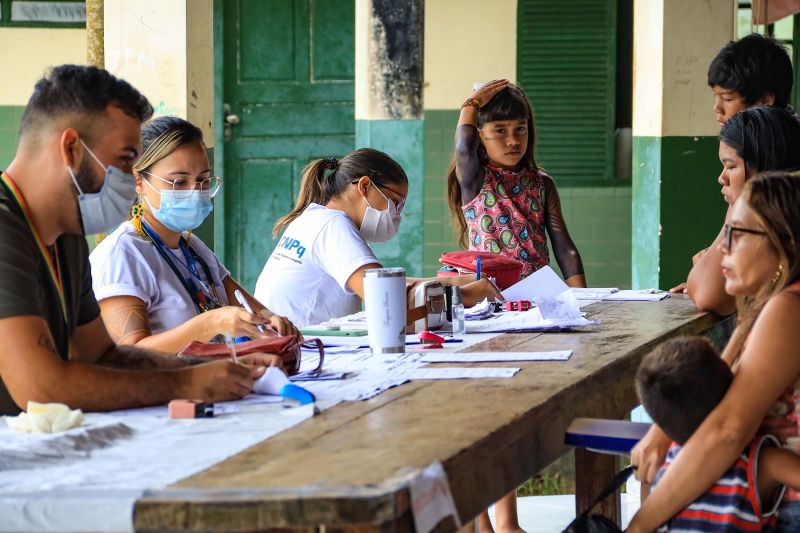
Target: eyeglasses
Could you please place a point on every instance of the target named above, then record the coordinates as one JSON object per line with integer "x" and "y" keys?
{"x": 183, "y": 187}
{"x": 730, "y": 230}
{"x": 399, "y": 204}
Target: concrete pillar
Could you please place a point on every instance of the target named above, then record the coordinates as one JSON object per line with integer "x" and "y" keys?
{"x": 389, "y": 110}
{"x": 165, "y": 50}
{"x": 677, "y": 208}
{"x": 95, "y": 44}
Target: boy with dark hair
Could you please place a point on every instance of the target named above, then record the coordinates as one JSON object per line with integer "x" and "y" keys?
{"x": 71, "y": 176}
{"x": 679, "y": 384}
{"x": 755, "y": 70}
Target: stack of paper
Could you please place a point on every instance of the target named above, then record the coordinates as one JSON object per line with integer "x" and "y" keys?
{"x": 510, "y": 321}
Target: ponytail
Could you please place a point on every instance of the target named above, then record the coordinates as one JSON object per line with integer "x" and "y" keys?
{"x": 311, "y": 191}
{"x": 318, "y": 188}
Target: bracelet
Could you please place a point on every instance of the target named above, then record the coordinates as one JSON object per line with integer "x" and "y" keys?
{"x": 472, "y": 102}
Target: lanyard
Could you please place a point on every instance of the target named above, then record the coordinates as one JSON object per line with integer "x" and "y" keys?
{"x": 191, "y": 264}
{"x": 53, "y": 265}
{"x": 197, "y": 294}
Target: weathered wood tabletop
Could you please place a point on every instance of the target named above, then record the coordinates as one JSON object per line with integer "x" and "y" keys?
{"x": 348, "y": 467}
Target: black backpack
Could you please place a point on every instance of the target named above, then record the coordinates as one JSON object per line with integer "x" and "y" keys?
{"x": 596, "y": 523}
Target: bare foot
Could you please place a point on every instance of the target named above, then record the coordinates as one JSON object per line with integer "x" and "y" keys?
{"x": 516, "y": 529}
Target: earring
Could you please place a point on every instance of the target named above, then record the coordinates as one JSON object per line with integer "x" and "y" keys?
{"x": 137, "y": 211}
{"x": 778, "y": 274}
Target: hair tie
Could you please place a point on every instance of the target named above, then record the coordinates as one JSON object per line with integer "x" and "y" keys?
{"x": 331, "y": 163}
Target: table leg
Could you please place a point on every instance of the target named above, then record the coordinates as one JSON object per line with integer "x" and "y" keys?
{"x": 593, "y": 471}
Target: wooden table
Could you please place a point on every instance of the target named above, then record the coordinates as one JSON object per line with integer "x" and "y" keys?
{"x": 347, "y": 469}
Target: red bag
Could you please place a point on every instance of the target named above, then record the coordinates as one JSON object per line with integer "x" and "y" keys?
{"x": 286, "y": 347}
{"x": 505, "y": 270}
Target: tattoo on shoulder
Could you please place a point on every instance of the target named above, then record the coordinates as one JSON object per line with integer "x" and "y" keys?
{"x": 128, "y": 323}
{"x": 46, "y": 342}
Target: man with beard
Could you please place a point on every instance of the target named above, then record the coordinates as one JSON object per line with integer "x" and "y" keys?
{"x": 70, "y": 177}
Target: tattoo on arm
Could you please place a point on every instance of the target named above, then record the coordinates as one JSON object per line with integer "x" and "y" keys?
{"x": 133, "y": 358}
{"x": 128, "y": 324}
{"x": 46, "y": 342}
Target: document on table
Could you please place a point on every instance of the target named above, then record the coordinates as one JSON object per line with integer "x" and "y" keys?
{"x": 616, "y": 295}
{"x": 644, "y": 295}
{"x": 59, "y": 482}
{"x": 524, "y": 321}
{"x": 462, "y": 373}
{"x": 551, "y": 294}
{"x": 490, "y": 357}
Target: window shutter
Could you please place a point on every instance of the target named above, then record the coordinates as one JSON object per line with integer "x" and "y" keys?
{"x": 566, "y": 58}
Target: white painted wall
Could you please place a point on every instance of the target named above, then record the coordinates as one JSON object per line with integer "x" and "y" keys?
{"x": 165, "y": 50}
{"x": 467, "y": 41}
{"x": 674, "y": 43}
{"x": 28, "y": 52}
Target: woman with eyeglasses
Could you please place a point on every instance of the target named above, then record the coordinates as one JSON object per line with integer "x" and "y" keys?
{"x": 760, "y": 264}
{"x": 158, "y": 285}
{"x": 316, "y": 271}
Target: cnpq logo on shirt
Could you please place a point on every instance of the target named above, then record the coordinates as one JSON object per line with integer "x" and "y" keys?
{"x": 292, "y": 245}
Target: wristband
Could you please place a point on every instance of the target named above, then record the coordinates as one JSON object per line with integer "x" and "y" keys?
{"x": 472, "y": 102}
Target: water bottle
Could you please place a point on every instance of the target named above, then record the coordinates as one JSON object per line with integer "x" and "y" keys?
{"x": 459, "y": 324}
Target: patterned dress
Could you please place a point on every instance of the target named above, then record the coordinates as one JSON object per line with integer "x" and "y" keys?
{"x": 508, "y": 217}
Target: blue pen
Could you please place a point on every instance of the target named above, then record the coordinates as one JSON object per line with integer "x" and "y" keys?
{"x": 478, "y": 269}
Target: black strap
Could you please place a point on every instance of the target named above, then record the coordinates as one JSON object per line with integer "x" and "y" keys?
{"x": 584, "y": 522}
{"x": 613, "y": 485}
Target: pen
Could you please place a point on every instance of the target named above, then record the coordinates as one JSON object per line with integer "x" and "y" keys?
{"x": 478, "y": 269}
{"x": 232, "y": 347}
{"x": 249, "y": 308}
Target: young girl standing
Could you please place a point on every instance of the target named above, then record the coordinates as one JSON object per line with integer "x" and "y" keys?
{"x": 501, "y": 201}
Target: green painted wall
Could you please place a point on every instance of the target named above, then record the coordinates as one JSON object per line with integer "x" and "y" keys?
{"x": 599, "y": 218}
{"x": 677, "y": 207}
{"x": 9, "y": 130}
{"x": 402, "y": 140}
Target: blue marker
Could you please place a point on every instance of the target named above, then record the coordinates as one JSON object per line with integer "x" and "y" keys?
{"x": 478, "y": 269}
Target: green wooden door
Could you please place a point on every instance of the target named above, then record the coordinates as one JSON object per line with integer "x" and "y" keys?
{"x": 288, "y": 84}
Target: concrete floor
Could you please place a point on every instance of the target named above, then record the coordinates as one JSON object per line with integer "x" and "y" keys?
{"x": 551, "y": 514}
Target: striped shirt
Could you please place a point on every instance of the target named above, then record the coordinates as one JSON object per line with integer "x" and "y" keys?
{"x": 732, "y": 504}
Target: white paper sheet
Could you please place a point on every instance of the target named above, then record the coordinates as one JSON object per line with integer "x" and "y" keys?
{"x": 645, "y": 295}
{"x": 462, "y": 373}
{"x": 490, "y": 357}
{"x": 523, "y": 321}
{"x": 543, "y": 282}
{"x": 551, "y": 294}
{"x": 431, "y": 499}
{"x": 616, "y": 295}
{"x": 104, "y": 481}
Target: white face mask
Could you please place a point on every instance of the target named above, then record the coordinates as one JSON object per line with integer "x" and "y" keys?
{"x": 380, "y": 226}
{"x": 107, "y": 208}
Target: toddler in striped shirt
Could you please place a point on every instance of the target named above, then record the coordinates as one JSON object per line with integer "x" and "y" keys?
{"x": 679, "y": 384}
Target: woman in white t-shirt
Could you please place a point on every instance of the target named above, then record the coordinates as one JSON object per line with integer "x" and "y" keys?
{"x": 157, "y": 284}
{"x": 316, "y": 271}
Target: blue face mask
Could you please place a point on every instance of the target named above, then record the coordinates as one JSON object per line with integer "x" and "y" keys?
{"x": 104, "y": 210}
{"x": 181, "y": 214}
